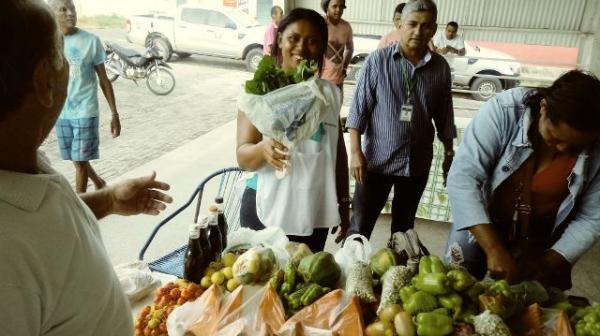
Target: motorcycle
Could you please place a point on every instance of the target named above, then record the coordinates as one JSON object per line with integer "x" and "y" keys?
{"x": 130, "y": 64}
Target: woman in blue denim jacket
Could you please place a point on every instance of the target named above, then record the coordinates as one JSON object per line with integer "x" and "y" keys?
{"x": 525, "y": 184}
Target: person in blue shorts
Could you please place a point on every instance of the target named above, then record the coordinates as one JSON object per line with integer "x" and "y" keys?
{"x": 77, "y": 126}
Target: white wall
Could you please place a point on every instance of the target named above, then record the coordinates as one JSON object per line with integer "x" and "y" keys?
{"x": 121, "y": 7}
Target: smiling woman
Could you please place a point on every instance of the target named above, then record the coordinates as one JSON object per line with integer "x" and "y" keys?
{"x": 313, "y": 196}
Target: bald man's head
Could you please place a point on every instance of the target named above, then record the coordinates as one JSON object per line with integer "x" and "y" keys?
{"x": 35, "y": 38}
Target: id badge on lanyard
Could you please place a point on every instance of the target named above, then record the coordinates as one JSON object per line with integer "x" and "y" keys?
{"x": 407, "y": 109}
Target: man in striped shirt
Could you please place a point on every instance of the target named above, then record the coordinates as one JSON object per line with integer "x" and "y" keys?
{"x": 401, "y": 90}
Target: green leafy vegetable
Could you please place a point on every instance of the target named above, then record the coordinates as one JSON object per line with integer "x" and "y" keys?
{"x": 270, "y": 77}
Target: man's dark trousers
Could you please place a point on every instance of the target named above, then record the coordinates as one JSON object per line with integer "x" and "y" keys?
{"x": 371, "y": 196}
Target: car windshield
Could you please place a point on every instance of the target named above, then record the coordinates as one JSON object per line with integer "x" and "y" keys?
{"x": 243, "y": 18}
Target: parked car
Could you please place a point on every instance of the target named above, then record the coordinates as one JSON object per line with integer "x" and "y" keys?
{"x": 481, "y": 70}
{"x": 197, "y": 29}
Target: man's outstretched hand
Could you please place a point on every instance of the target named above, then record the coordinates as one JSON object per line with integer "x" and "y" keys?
{"x": 141, "y": 195}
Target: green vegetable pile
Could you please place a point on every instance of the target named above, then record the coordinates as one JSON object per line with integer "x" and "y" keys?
{"x": 440, "y": 300}
{"x": 301, "y": 284}
{"x": 270, "y": 77}
{"x": 587, "y": 321}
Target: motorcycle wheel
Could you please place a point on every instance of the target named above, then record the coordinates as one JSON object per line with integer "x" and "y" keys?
{"x": 112, "y": 59}
{"x": 160, "y": 81}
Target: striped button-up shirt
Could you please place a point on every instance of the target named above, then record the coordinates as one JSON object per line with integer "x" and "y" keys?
{"x": 392, "y": 146}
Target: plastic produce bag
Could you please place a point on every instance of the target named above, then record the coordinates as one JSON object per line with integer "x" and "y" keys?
{"x": 333, "y": 314}
{"x": 136, "y": 280}
{"x": 356, "y": 248}
{"x": 546, "y": 322}
{"x": 360, "y": 282}
{"x": 255, "y": 266}
{"x": 230, "y": 315}
{"x": 290, "y": 114}
{"x": 293, "y": 113}
{"x": 271, "y": 237}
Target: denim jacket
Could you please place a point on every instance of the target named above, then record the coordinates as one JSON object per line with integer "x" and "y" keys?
{"x": 494, "y": 146}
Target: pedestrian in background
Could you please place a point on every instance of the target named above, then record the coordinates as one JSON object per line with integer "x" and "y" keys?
{"x": 271, "y": 31}
{"x": 449, "y": 42}
{"x": 77, "y": 128}
{"x": 394, "y": 35}
{"x": 340, "y": 45}
{"x": 402, "y": 89}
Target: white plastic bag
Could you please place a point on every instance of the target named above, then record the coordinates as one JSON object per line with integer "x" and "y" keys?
{"x": 271, "y": 237}
{"x": 356, "y": 248}
{"x": 136, "y": 280}
{"x": 291, "y": 114}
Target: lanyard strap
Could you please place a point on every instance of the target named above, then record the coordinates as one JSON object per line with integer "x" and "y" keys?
{"x": 408, "y": 81}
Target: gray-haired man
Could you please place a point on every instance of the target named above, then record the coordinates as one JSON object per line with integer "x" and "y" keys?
{"x": 403, "y": 88}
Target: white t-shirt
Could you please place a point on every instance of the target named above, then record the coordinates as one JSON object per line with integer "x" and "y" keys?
{"x": 55, "y": 276}
{"x": 441, "y": 41}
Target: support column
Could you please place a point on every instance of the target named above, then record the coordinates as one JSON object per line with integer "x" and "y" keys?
{"x": 589, "y": 47}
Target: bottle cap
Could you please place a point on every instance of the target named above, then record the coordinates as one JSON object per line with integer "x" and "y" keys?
{"x": 203, "y": 222}
{"x": 194, "y": 228}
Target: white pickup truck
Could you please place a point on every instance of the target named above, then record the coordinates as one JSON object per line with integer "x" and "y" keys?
{"x": 196, "y": 29}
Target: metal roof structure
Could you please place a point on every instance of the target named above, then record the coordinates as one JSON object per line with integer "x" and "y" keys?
{"x": 567, "y": 23}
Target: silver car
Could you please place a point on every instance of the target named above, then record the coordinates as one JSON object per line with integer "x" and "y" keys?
{"x": 482, "y": 71}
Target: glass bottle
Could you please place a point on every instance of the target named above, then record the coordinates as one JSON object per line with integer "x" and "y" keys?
{"x": 214, "y": 234}
{"x": 193, "y": 267}
{"x": 223, "y": 227}
{"x": 205, "y": 242}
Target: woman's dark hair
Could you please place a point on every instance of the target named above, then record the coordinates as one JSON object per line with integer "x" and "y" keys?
{"x": 325, "y": 5}
{"x": 299, "y": 14}
{"x": 573, "y": 99}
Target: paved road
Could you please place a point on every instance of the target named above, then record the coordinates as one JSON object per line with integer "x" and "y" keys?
{"x": 204, "y": 98}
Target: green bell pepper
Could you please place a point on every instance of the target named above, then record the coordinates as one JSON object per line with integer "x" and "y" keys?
{"x": 460, "y": 280}
{"x": 434, "y": 324}
{"x": 406, "y": 292}
{"x": 501, "y": 287}
{"x": 435, "y": 283}
{"x": 453, "y": 302}
{"x": 477, "y": 289}
{"x": 420, "y": 302}
{"x": 431, "y": 264}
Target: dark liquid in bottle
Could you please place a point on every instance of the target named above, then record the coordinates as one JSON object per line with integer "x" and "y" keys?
{"x": 214, "y": 235}
{"x": 194, "y": 264}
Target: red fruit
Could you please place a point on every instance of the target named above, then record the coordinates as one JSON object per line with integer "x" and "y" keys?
{"x": 175, "y": 293}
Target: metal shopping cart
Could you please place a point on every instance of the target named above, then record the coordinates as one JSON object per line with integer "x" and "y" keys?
{"x": 225, "y": 179}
